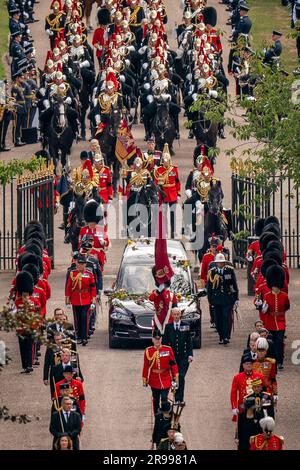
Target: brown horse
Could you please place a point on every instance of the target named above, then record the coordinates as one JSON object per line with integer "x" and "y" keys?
{"x": 88, "y": 6}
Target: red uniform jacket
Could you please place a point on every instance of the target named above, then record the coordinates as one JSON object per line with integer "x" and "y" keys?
{"x": 260, "y": 443}
{"x": 161, "y": 302}
{"x": 274, "y": 319}
{"x": 267, "y": 367}
{"x": 214, "y": 39}
{"x": 81, "y": 288}
{"x": 99, "y": 38}
{"x": 172, "y": 185}
{"x": 105, "y": 186}
{"x": 241, "y": 386}
{"x": 36, "y": 307}
{"x": 206, "y": 260}
{"x": 261, "y": 280}
{"x": 254, "y": 247}
{"x": 101, "y": 241}
{"x": 159, "y": 367}
{"x": 77, "y": 393}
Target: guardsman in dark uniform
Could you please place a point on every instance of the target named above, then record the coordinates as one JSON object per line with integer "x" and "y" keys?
{"x": 31, "y": 80}
{"x": 14, "y": 23}
{"x": 137, "y": 15}
{"x": 52, "y": 358}
{"x": 178, "y": 336}
{"x": 6, "y": 114}
{"x": 275, "y": 51}
{"x": 54, "y": 22}
{"x": 16, "y": 51}
{"x": 17, "y": 92}
{"x": 81, "y": 293}
{"x": 223, "y": 294}
{"x": 160, "y": 370}
{"x": 163, "y": 421}
{"x": 267, "y": 440}
{"x": 242, "y": 30}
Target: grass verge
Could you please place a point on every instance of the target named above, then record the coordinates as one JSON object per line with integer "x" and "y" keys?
{"x": 3, "y": 36}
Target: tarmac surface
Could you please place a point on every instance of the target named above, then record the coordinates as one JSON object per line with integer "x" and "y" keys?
{"x": 118, "y": 408}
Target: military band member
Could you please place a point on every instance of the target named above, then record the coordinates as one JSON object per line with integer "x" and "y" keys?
{"x": 178, "y": 336}
{"x": 223, "y": 294}
{"x": 17, "y": 92}
{"x": 267, "y": 440}
{"x": 55, "y": 21}
{"x": 160, "y": 370}
{"x": 7, "y": 112}
{"x": 166, "y": 176}
{"x": 81, "y": 293}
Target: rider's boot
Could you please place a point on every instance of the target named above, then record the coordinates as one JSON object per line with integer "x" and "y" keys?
{"x": 176, "y": 122}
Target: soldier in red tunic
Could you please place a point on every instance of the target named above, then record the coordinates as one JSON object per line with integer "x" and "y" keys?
{"x": 76, "y": 386}
{"x": 267, "y": 440}
{"x": 26, "y": 329}
{"x": 93, "y": 214}
{"x": 242, "y": 386}
{"x": 253, "y": 249}
{"x": 81, "y": 293}
{"x": 266, "y": 366}
{"x": 100, "y": 36}
{"x": 166, "y": 176}
{"x": 275, "y": 304}
{"x": 160, "y": 370}
{"x": 105, "y": 179}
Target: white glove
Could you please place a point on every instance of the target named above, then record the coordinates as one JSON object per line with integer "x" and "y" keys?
{"x": 265, "y": 307}
{"x": 122, "y": 78}
{"x": 147, "y": 86}
{"x": 150, "y": 99}
{"x": 275, "y": 398}
{"x": 83, "y": 64}
{"x": 142, "y": 50}
{"x": 110, "y": 201}
{"x": 51, "y": 33}
{"x": 97, "y": 119}
{"x": 42, "y": 91}
{"x": 145, "y": 66}
{"x": 68, "y": 100}
{"x": 236, "y": 304}
{"x": 213, "y": 93}
{"x": 194, "y": 96}
{"x": 235, "y": 411}
{"x": 258, "y": 303}
{"x": 188, "y": 193}
{"x": 191, "y": 358}
{"x": 166, "y": 97}
{"x": 46, "y": 104}
{"x": 95, "y": 101}
{"x": 249, "y": 258}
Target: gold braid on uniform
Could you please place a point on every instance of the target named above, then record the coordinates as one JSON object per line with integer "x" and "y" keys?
{"x": 214, "y": 280}
{"x": 153, "y": 358}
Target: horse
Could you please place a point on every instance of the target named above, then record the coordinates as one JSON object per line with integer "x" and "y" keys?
{"x": 163, "y": 126}
{"x": 83, "y": 95}
{"x": 214, "y": 219}
{"x": 107, "y": 140}
{"x": 147, "y": 196}
{"x": 205, "y": 131}
{"x": 88, "y": 6}
{"x": 59, "y": 133}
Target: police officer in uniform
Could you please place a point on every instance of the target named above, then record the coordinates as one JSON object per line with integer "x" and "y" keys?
{"x": 223, "y": 294}
{"x": 17, "y": 92}
{"x": 177, "y": 335}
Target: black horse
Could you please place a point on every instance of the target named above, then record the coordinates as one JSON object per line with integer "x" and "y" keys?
{"x": 76, "y": 220}
{"x": 107, "y": 140}
{"x": 59, "y": 133}
{"x": 214, "y": 219}
{"x": 142, "y": 208}
{"x": 205, "y": 131}
{"x": 163, "y": 126}
{"x": 83, "y": 93}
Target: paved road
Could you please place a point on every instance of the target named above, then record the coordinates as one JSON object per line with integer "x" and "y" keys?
{"x": 118, "y": 408}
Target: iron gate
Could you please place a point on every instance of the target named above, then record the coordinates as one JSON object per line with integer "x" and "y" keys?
{"x": 29, "y": 197}
{"x": 251, "y": 201}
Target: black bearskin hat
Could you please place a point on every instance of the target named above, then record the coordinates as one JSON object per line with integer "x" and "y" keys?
{"x": 274, "y": 228}
{"x": 35, "y": 248}
{"x": 272, "y": 254}
{"x": 275, "y": 277}
{"x": 275, "y": 245}
{"x": 24, "y": 282}
{"x": 272, "y": 219}
{"x": 33, "y": 226}
{"x": 210, "y": 16}
{"x": 33, "y": 270}
{"x": 258, "y": 227}
{"x": 104, "y": 16}
{"x": 30, "y": 258}
{"x": 92, "y": 212}
{"x": 267, "y": 263}
{"x": 265, "y": 238}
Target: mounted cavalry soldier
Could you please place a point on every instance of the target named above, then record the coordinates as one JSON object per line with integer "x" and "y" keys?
{"x": 109, "y": 101}
{"x": 55, "y": 21}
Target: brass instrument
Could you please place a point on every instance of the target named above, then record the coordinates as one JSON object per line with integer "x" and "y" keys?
{"x": 214, "y": 82}
{"x": 10, "y": 105}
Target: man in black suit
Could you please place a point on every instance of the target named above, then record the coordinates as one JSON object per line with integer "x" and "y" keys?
{"x": 61, "y": 325}
{"x": 52, "y": 358}
{"x": 68, "y": 358}
{"x": 177, "y": 335}
{"x": 66, "y": 421}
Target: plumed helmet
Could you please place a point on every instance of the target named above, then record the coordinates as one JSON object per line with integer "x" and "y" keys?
{"x": 104, "y": 16}
{"x": 210, "y": 16}
{"x": 24, "y": 282}
{"x": 33, "y": 270}
{"x": 267, "y": 424}
{"x": 258, "y": 227}
{"x": 275, "y": 277}
{"x": 266, "y": 265}
{"x": 92, "y": 212}
{"x": 262, "y": 343}
{"x": 272, "y": 219}
{"x": 265, "y": 238}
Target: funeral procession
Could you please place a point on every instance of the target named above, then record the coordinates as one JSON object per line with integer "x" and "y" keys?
{"x": 150, "y": 227}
